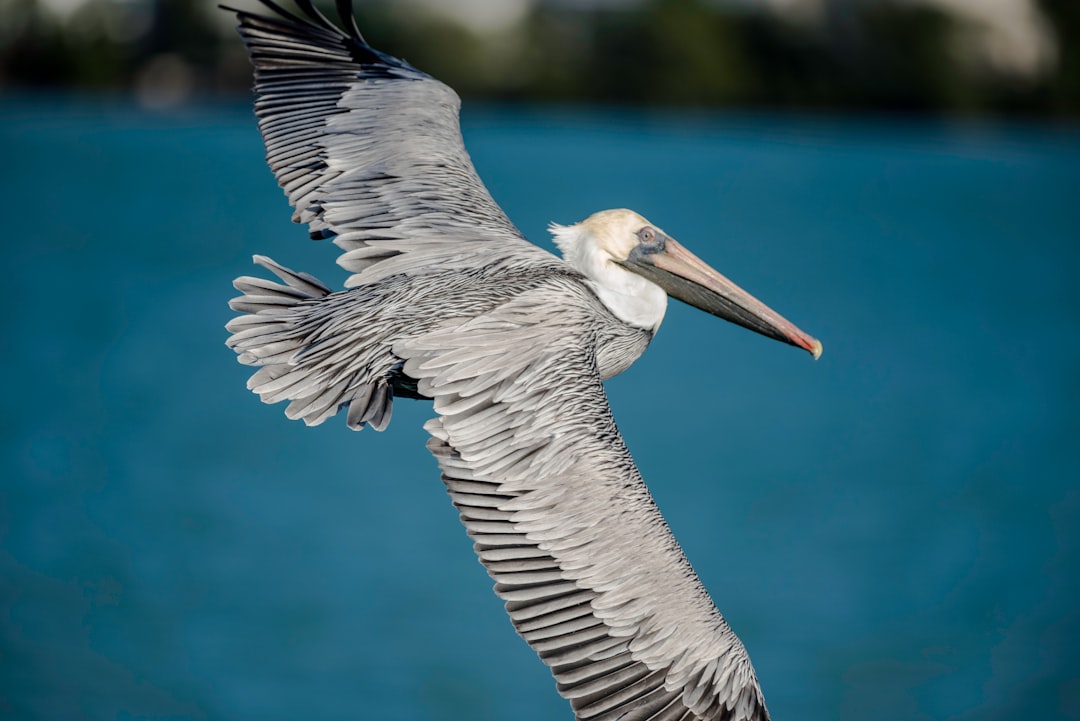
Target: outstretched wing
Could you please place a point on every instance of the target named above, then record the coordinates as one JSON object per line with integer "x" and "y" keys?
{"x": 368, "y": 150}
{"x": 592, "y": 577}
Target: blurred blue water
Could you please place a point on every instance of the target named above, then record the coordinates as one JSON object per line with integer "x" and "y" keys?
{"x": 891, "y": 530}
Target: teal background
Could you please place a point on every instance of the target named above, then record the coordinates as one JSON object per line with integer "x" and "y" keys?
{"x": 891, "y": 530}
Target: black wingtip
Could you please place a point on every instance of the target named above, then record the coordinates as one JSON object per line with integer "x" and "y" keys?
{"x": 315, "y": 14}
{"x": 277, "y": 9}
{"x": 314, "y": 18}
{"x": 314, "y": 22}
{"x": 348, "y": 20}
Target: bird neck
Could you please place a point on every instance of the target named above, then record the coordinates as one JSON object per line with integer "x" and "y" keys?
{"x": 630, "y": 298}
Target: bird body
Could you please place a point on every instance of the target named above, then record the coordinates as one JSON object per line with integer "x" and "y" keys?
{"x": 308, "y": 340}
{"x": 447, "y": 301}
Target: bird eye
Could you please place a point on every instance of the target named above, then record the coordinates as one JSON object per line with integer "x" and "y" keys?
{"x": 646, "y": 235}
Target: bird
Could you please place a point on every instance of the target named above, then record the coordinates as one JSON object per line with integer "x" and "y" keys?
{"x": 448, "y": 301}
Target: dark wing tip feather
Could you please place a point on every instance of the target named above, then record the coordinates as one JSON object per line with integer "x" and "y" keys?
{"x": 313, "y": 12}
{"x": 281, "y": 12}
{"x": 348, "y": 19}
{"x": 317, "y": 23}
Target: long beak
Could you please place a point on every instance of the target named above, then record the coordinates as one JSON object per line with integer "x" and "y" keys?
{"x": 685, "y": 276}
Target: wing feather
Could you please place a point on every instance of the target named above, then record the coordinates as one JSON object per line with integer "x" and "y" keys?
{"x": 368, "y": 150}
{"x": 592, "y": 578}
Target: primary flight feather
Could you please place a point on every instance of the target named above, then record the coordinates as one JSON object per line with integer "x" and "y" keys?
{"x": 448, "y": 301}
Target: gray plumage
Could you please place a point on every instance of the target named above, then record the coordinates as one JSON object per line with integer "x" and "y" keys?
{"x": 448, "y": 301}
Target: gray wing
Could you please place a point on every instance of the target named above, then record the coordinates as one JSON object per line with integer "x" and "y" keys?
{"x": 592, "y": 577}
{"x": 369, "y": 151}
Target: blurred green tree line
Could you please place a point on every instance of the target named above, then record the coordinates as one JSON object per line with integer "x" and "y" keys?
{"x": 871, "y": 55}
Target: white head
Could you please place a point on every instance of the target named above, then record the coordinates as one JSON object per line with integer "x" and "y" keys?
{"x": 633, "y": 266}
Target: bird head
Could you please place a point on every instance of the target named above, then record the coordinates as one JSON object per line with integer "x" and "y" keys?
{"x": 633, "y": 265}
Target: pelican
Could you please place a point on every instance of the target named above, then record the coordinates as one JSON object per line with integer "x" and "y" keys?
{"x": 448, "y": 301}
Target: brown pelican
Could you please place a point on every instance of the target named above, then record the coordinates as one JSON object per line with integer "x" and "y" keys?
{"x": 448, "y": 301}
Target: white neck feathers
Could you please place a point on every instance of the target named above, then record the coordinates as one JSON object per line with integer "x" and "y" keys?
{"x": 630, "y": 297}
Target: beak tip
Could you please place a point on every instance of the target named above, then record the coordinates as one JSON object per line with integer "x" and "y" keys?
{"x": 816, "y": 349}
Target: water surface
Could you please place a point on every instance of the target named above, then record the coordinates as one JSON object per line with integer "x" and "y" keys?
{"x": 891, "y": 530}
